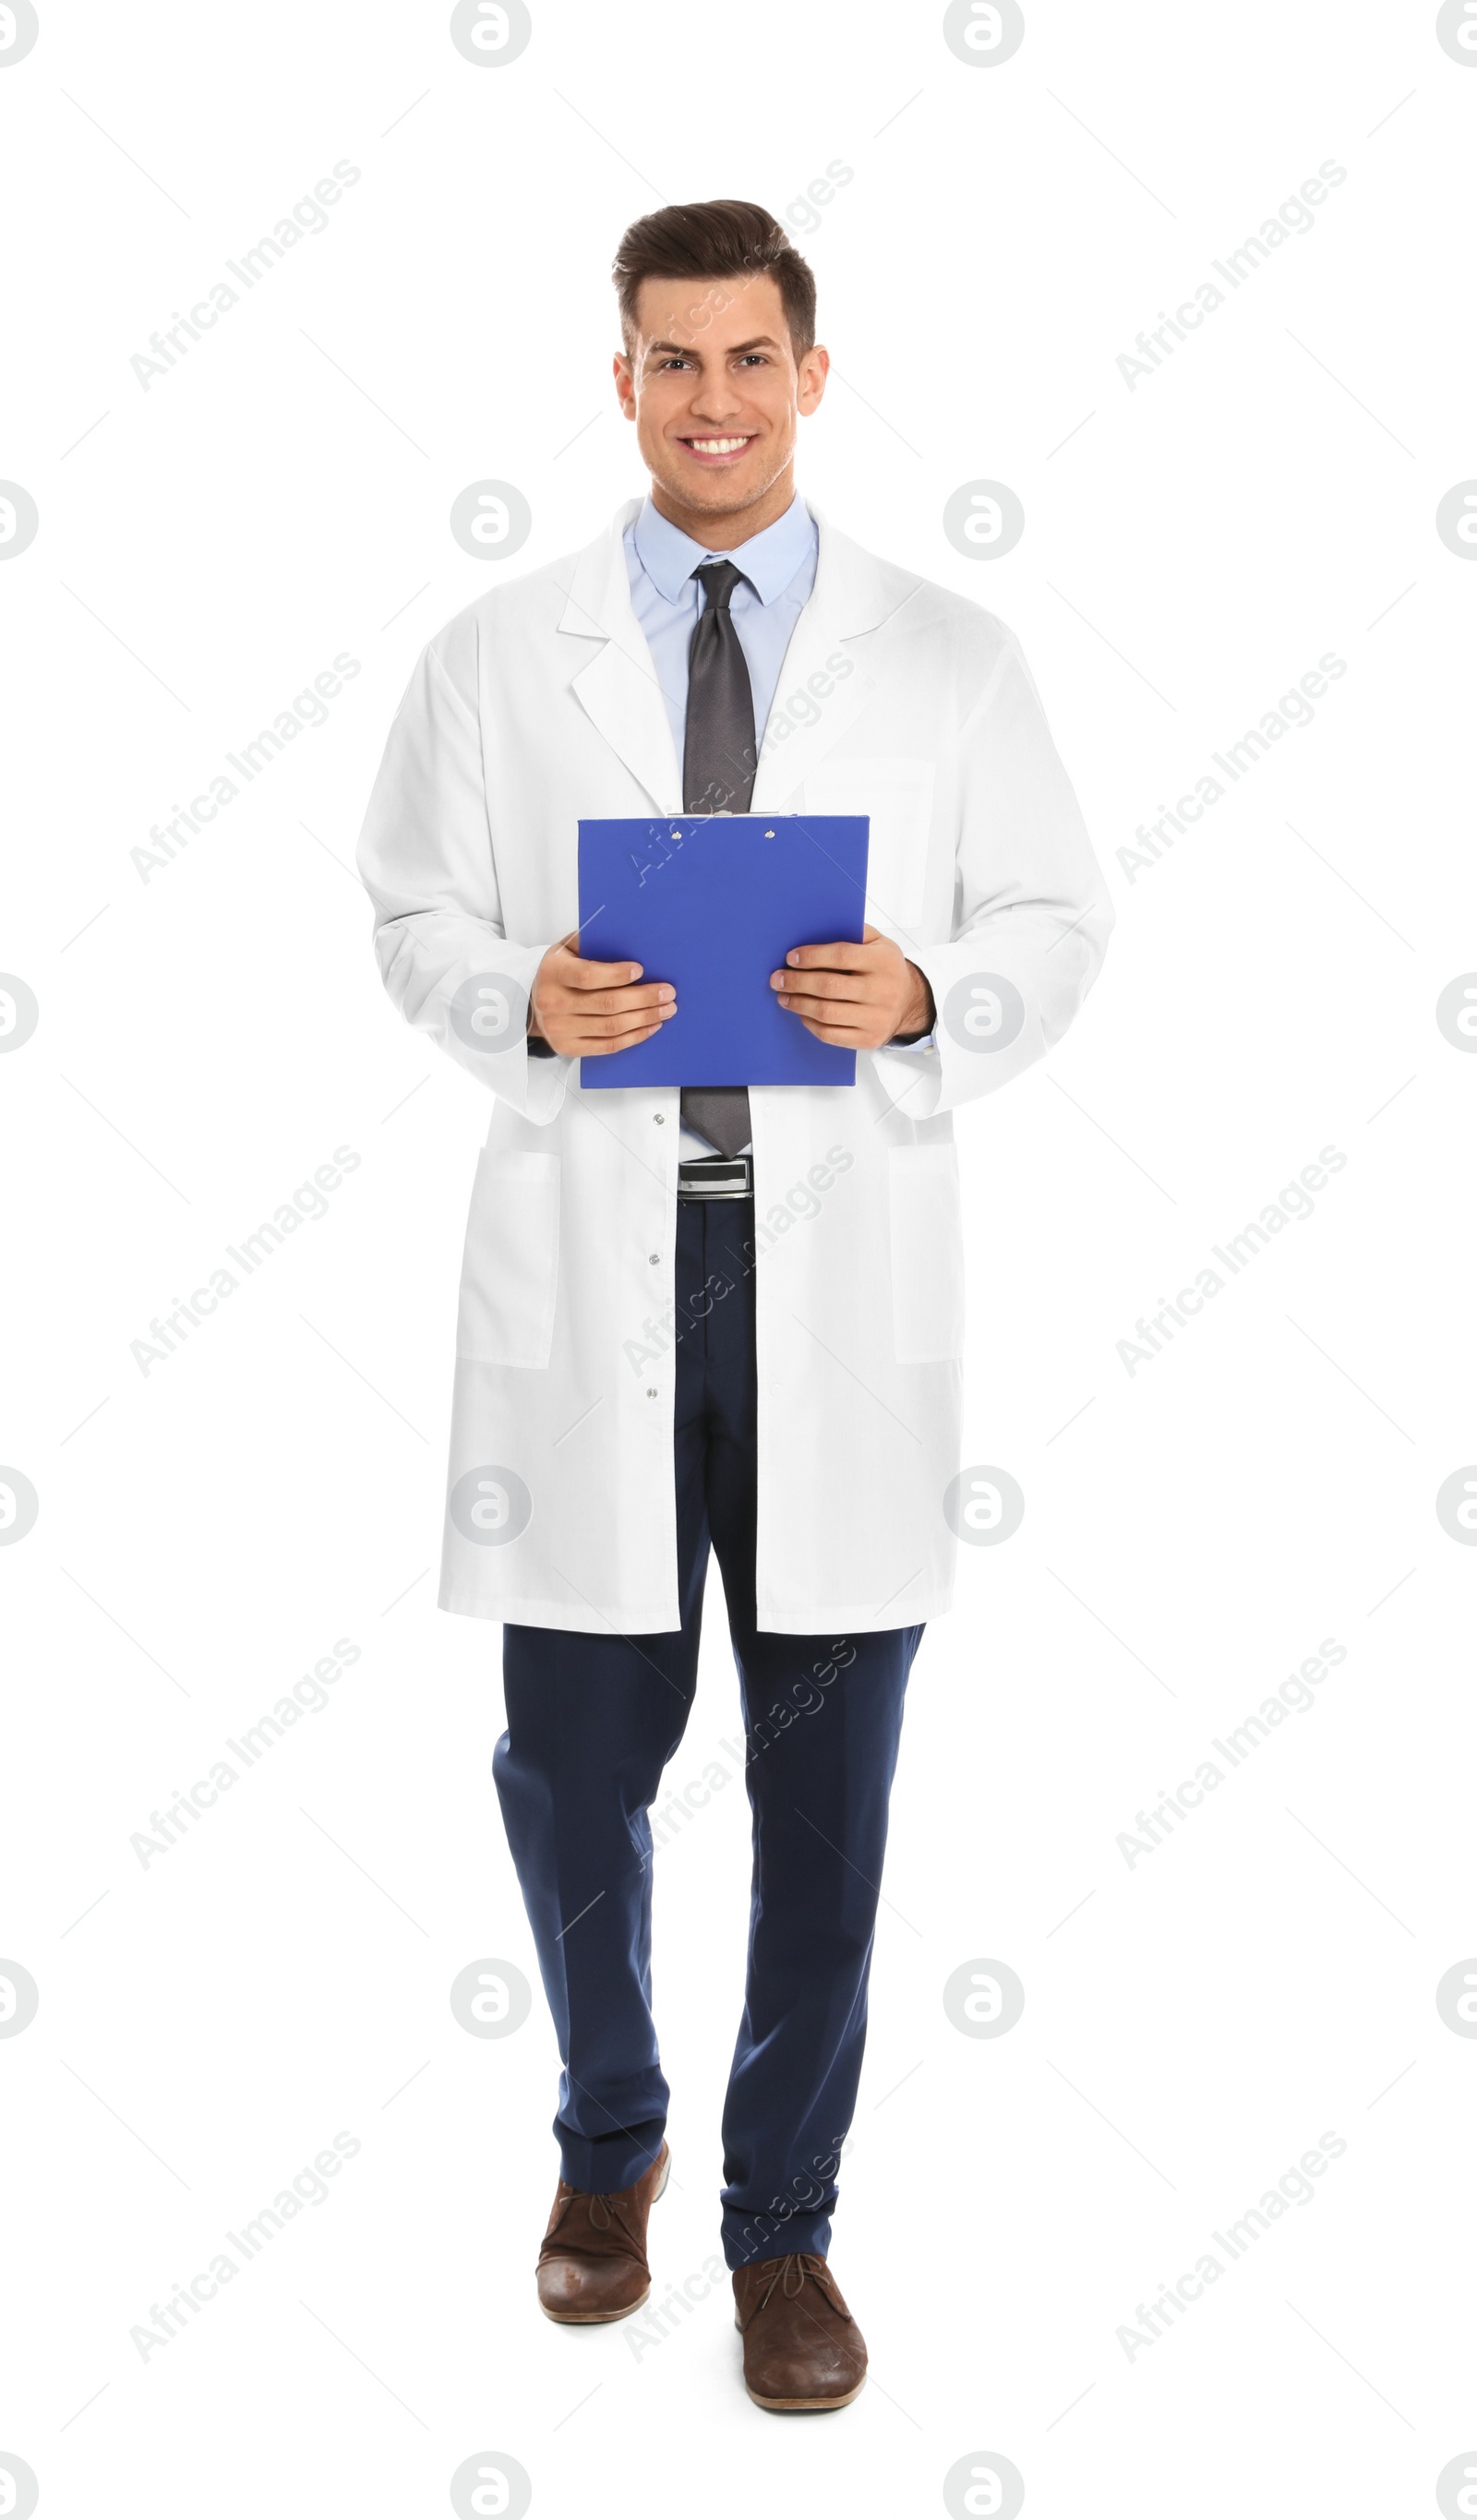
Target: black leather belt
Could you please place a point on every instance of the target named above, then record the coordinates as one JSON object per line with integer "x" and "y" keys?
{"x": 725, "y": 1177}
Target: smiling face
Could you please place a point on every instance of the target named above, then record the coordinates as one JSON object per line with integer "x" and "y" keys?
{"x": 714, "y": 387}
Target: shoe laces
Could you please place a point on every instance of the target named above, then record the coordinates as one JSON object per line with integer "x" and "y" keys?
{"x": 790, "y": 2275}
{"x": 603, "y": 2213}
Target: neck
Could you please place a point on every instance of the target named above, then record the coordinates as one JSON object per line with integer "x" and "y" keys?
{"x": 738, "y": 524}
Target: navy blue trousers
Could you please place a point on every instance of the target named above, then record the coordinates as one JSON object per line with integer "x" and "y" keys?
{"x": 592, "y": 1722}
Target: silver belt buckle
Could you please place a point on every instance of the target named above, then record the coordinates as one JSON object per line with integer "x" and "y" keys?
{"x": 725, "y": 1177}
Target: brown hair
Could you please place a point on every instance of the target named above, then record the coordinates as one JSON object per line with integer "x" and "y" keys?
{"x": 715, "y": 241}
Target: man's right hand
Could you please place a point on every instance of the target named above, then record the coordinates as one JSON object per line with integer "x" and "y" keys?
{"x": 585, "y": 1009}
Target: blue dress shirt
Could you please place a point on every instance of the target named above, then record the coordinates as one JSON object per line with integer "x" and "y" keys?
{"x": 778, "y": 568}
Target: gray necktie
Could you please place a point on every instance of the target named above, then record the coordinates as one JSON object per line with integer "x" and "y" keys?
{"x": 718, "y": 763}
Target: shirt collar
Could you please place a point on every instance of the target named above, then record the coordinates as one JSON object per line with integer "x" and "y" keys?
{"x": 770, "y": 560}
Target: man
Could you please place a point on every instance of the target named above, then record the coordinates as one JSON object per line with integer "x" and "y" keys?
{"x": 720, "y": 1317}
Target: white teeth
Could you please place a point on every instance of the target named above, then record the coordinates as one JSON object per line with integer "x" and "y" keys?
{"x": 718, "y": 445}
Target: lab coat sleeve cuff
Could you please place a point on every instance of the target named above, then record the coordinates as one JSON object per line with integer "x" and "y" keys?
{"x": 478, "y": 1015}
{"x": 1003, "y": 995}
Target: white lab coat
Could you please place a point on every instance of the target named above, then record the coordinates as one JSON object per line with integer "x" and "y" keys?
{"x": 539, "y": 704}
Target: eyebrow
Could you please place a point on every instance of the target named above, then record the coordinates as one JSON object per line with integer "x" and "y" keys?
{"x": 761, "y": 341}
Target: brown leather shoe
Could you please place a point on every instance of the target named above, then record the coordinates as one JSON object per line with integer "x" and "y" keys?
{"x": 592, "y": 2263}
{"x": 803, "y": 2352}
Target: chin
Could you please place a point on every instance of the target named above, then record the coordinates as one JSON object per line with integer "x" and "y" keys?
{"x": 719, "y": 490}
{"x": 721, "y": 494}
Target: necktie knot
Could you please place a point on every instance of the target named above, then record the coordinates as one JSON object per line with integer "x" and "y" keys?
{"x": 718, "y": 579}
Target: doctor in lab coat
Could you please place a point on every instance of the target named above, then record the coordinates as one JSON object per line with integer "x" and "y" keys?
{"x": 577, "y": 1504}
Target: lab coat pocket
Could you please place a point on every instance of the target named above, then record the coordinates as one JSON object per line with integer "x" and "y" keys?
{"x": 509, "y": 1270}
{"x": 927, "y": 1254}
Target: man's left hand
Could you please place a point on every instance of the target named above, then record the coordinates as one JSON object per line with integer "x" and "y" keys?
{"x": 857, "y": 996}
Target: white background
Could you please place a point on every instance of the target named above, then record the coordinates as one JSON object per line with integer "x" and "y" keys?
{"x": 208, "y": 1036}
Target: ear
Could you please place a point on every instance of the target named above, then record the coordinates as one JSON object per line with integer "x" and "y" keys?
{"x": 814, "y": 370}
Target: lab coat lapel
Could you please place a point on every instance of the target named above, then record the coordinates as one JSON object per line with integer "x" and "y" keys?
{"x": 850, "y": 597}
{"x": 620, "y": 695}
{"x": 617, "y": 688}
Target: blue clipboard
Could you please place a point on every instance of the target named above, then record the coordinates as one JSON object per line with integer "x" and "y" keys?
{"x": 713, "y": 903}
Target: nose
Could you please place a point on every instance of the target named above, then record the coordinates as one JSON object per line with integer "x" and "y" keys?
{"x": 716, "y": 399}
